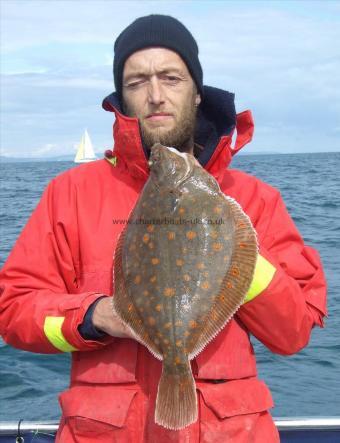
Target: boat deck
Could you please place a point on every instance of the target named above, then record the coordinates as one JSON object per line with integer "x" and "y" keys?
{"x": 292, "y": 430}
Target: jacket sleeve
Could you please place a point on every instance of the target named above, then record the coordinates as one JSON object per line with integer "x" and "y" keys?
{"x": 287, "y": 297}
{"x": 40, "y": 308}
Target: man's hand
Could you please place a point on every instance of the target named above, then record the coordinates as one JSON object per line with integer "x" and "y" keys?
{"x": 106, "y": 320}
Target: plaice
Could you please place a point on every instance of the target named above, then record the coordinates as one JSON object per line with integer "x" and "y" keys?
{"x": 183, "y": 266}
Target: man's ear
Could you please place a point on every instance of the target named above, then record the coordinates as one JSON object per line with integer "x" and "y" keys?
{"x": 197, "y": 100}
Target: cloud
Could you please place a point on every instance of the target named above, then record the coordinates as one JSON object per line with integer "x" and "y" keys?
{"x": 280, "y": 58}
{"x": 47, "y": 148}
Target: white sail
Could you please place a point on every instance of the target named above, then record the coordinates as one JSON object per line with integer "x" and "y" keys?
{"x": 85, "y": 152}
{"x": 80, "y": 152}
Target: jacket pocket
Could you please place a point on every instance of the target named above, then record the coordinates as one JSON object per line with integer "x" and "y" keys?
{"x": 94, "y": 410}
{"x": 97, "y": 280}
{"x": 236, "y": 397}
{"x": 236, "y": 411}
{"x": 114, "y": 363}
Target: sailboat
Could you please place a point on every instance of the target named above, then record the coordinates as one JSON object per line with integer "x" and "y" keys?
{"x": 85, "y": 151}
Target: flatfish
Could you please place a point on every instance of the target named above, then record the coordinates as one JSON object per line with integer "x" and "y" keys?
{"x": 183, "y": 265}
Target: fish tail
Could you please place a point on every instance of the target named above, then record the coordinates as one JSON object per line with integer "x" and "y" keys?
{"x": 176, "y": 403}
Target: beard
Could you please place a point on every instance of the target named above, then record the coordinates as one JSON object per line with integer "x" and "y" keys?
{"x": 180, "y": 137}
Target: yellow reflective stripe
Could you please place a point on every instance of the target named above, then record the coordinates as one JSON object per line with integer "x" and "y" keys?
{"x": 112, "y": 160}
{"x": 52, "y": 329}
{"x": 263, "y": 275}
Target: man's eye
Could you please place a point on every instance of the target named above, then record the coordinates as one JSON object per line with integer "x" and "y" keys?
{"x": 172, "y": 79}
{"x": 134, "y": 84}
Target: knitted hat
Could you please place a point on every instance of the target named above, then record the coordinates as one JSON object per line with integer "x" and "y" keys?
{"x": 157, "y": 30}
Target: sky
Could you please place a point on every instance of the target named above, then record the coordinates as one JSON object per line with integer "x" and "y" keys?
{"x": 280, "y": 58}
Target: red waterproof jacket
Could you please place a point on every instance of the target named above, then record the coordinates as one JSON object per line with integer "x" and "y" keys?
{"x": 62, "y": 263}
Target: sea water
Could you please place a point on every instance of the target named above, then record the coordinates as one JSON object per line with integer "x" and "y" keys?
{"x": 306, "y": 384}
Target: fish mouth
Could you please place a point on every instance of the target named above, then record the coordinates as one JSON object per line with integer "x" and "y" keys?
{"x": 156, "y": 154}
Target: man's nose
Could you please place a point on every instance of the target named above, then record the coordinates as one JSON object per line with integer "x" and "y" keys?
{"x": 155, "y": 93}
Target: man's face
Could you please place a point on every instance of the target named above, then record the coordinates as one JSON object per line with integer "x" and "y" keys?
{"x": 159, "y": 91}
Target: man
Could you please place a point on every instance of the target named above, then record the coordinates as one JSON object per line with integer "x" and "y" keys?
{"x": 57, "y": 282}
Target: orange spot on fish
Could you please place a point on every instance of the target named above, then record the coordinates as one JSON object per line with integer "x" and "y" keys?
{"x": 153, "y": 279}
{"x": 171, "y": 235}
{"x": 146, "y": 238}
{"x": 217, "y": 209}
{"x": 241, "y": 225}
{"x": 186, "y": 277}
{"x": 179, "y": 262}
{"x": 137, "y": 279}
{"x": 229, "y": 285}
{"x": 193, "y": 324}
{"x": 178, "y": 323}
{"x": 222, "y": 297}
{"x": 235, "y": 271}
{"x": 181, "y": 211}
{"x": 151, "y": 321}
{"x": 155, "y": 261}
{"x": 177, "y": 361}
{"x": 159, "y": 308}
{"x": 151, "y": 245}
{"x": 213, "y": 234}
{"x": 217, "y": 246}
{"x": 167, "y": 326}
{"x": 169, "y": 292}
{"x": 150, "y": 228}
{"x": 130, "y": 307}
{"x": 186, "y": 334}
{"x": 205, "y": 285}
{"x": 145, "y": 293}
{"x": 200, "y": 266}
{"x": 242, "y": 245}
{"x": 179, "y": 343}
{"x": 166, "y": 341}
{"x": 226, "y": 258}
{"x": 191, "y": 235}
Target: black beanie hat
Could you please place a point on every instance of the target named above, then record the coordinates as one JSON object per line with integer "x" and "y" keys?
{"x": 157, "y": 30}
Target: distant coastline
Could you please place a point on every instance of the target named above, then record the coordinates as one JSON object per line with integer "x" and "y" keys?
{"x": 70, "y": 158}
{"x": 61, "y": 158}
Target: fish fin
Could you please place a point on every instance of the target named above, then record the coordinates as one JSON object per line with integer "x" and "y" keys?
{"x": 124, "y": 306}
{"x": 235, "y": 283}
{"x": 176, "y": 403}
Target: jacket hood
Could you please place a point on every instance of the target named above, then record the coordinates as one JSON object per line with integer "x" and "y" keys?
{"x": 216, "y": 123}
